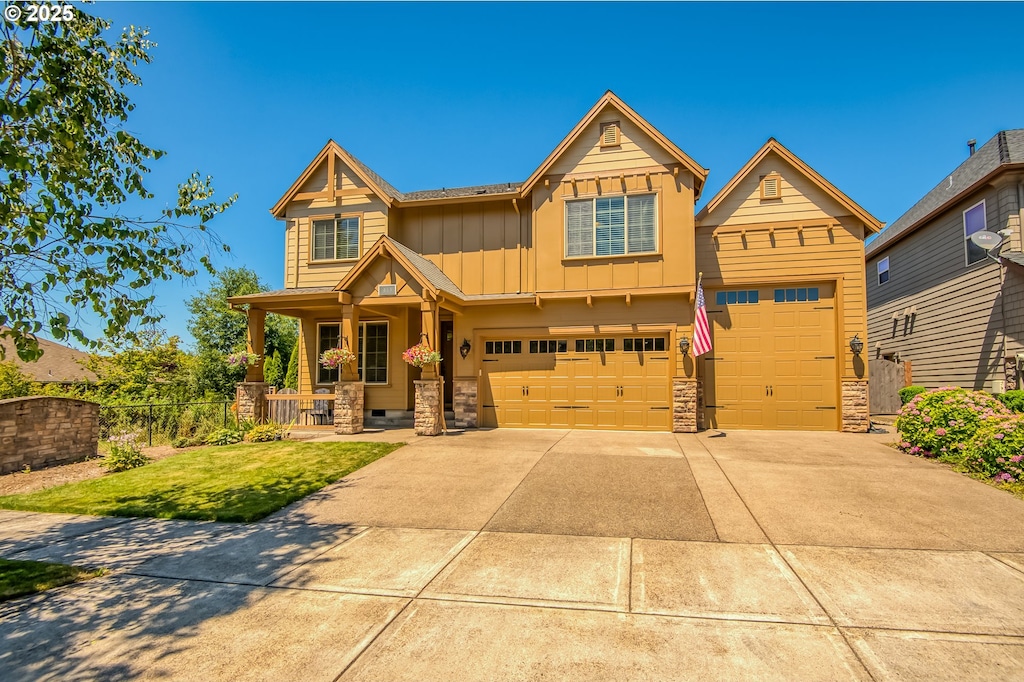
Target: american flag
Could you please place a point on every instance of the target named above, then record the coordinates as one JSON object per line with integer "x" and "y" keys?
{"x": 701, "y": 330}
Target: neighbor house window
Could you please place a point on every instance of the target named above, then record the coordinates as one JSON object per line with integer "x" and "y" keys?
{"x": 329, "y": 337}
{"x": 974, "y": 221}
{"x": 610, "y": 226}
{"x": 373, "y": 352}
{"x": 336, "y": 238}
{"x": 883, "y": 270}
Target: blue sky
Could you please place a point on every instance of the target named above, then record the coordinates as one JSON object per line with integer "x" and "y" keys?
{"x": 879, "y": 98}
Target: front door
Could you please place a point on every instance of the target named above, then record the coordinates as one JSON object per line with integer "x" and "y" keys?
{"x": 447, "y": 361}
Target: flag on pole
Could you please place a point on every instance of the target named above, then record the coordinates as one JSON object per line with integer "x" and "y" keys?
{"x": 701, "y": 330}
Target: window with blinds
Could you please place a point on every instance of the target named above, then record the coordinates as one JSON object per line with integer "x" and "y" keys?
{"x": 611, "y": 226}
{"x": 336, "y": 239}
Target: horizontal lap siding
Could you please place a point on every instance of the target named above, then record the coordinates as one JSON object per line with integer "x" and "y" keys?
{"x": 957, "y": 335}
{"x": 586, "y": 155}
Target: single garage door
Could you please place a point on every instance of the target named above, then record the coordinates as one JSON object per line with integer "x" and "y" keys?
{"x": 773, "y": 358}
{"x": 593, "y": 382}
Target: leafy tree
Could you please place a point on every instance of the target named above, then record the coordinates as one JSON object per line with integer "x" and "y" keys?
{"x": 273, "y": 370}
{"x": 71, "y": 181}
{"x": 155, "y": 369}
{"x": 291, "y": 377}
{"x": 14, "y": 383}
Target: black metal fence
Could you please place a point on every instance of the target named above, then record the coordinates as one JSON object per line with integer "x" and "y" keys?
{"x": 164, "y": 422}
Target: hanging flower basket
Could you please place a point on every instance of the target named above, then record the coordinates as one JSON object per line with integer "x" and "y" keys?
{"x": 242, "y": 359}
{"x": 332, "y": 358}
{"x": 420, "y": 355}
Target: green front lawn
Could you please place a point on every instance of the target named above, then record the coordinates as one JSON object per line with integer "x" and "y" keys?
{"x": 243, "y": 482}
{"x": 18, "y": 578}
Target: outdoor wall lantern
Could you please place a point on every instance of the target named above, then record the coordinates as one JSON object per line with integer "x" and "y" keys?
{"x": 684, "y": 343}
{"x": 856, "y": 345}
{"x": 465, "y": 348}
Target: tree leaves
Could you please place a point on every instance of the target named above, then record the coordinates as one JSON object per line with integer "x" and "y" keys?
{"x": 67, "y": 165}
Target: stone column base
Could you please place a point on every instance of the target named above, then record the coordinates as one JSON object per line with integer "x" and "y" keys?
{"x": 428, "y": 408}
{"x": 464, "y": 399}
{"x": 251, "y": 400}
{"x": 1010, "y": 372}
{"x": 348, "y": 407}
{"x": 855, "y": 407}
{"x": 684, "y": 406}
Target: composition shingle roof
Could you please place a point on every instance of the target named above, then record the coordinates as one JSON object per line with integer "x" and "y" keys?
{"x": 1006, "y": 148}
{"x": 1014, "y": 257}
{"x": 433, "y": 273}
{"x": 58, "y": 363}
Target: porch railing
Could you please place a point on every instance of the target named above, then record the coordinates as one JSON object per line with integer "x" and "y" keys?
{"x": 305, "y": 410}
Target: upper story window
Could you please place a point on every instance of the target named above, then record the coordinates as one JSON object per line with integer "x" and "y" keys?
{"x": 974, "y": 221}
{"x": 336, "y": 238}
{"x": 883, "y": 270}
{"x": 611, "y": 226}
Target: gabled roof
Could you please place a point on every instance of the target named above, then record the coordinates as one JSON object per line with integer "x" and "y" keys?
{"x": 428, "y": 275}
{"x": 58, "y": 363}
{"x": 774, "y": 146}
{"x": 1005, "y": 151}
{"x": 611, "y": 99}
{"x": 381, "y": 187}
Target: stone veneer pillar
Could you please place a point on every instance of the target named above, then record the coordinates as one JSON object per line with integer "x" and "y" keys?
{"x": 428, "y": 407}
{"x": 855, "y": 407}
{"x": 464, "y": 399}
{"x": 1010, "y": 372}
{"x": 348, "y": 407}
{"x": 684, "y": 406}
{"x": 251, "y": 400}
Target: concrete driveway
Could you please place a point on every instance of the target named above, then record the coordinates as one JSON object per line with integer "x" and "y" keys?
{"x": 554, "y": 555}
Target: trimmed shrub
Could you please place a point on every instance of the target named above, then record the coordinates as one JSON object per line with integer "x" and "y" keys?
{"x": 940, "y": 423}
{"x": 224, "y": 437}
{"x": 1014, "y": 400}
{"x": 997, "y": 450}
{"x": 124, "y": 454}
{"x": 263, "y": 433}
{"x": 909, "y": 392}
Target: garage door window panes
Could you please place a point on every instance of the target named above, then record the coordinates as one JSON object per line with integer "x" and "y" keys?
{"x": 796, "y": 295}
{"x": 650, "y": 343}
{"x": 503, "y": 347}
{"x": 595, "y": 345}
{"x": 548, "y": 346}
{"x": 736, "y": 297}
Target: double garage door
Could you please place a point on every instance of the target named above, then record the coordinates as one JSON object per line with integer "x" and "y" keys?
{"x": 773, "y": 363}
{"x": 591, "y": 382}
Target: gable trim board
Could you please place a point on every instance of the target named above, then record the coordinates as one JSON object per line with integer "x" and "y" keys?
{"x": 593, "y": 341}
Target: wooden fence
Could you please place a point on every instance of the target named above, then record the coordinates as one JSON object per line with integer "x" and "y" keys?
{"x": 304, "y": 410}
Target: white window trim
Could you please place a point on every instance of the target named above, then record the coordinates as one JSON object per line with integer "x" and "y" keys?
{"x": 879, "y": 270}
{"x": 336, "y": 218}
{"x": 984, "y": 212}
{"x": 625, "y": 209}
{"x": 317, "y": 368}
{"x": 387, "y": 352}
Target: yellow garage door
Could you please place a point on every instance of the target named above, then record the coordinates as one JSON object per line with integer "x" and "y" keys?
{"x": 773, "y": 358}
{"x": 606, "y": 382}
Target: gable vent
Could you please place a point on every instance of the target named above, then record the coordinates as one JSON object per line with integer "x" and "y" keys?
{"x": 771, "y": 186}
{"x": 610, "y": 134}
{"x": 387, "y": 289}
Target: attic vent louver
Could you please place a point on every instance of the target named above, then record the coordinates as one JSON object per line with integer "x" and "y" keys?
{"x": 387, "y": 289}
{"x": 771, "y": 186}
{"x": 610, "y": 134}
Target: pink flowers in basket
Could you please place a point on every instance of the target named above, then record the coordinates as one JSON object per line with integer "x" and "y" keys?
{"x": 332, "y": 358}
{"x": 420, "y": 355}
{"x": 242, "y": 359}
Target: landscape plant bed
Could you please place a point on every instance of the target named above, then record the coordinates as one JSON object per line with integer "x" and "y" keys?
{"x": 19, "y": 578}
{"x": 243, "y": 482}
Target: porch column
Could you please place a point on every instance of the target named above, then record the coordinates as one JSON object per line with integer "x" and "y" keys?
{"x": 350, "y": 337}
{"x": 254, "y": 343}
{"x": 428, "y": 326}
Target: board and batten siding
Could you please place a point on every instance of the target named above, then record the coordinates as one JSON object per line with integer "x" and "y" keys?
{"x": 956, "y": 336}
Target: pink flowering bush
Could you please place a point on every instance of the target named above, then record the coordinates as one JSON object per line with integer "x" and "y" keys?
{"x": 420, "y": 355}
{"x": 941, "y": 423}
{"x": 997, "y": 450}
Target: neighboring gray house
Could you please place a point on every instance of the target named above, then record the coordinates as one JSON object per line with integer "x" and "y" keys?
{"x": 938, "y": 300}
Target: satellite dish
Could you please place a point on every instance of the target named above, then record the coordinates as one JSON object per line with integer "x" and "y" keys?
{"x": 986, "y": 240}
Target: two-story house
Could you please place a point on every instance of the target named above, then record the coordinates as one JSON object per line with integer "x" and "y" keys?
{"x": 937, "y": 299}
{"x": 566, "y": 300}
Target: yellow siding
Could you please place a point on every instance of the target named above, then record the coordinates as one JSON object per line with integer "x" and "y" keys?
{"x": 801, "y": 198}
{"x": 586, "y": 155}
{"x": 787, "y": 256}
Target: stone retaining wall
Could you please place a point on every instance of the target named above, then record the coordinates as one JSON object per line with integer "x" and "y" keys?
{"x": 42, "y": 431}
